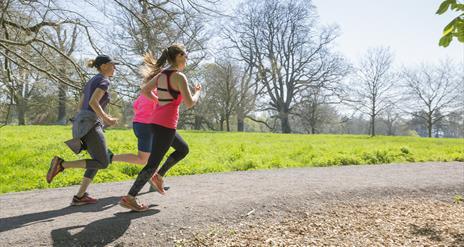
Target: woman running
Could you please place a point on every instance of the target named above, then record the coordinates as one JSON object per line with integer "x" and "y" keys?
{"x": 172, "y": 89}
{"x": 88, "y": 127}
{"x": 143, "y": 129}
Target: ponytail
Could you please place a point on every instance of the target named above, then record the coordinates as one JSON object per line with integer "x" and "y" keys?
{"x": 163, "y": 58}
{"x": 151, "y": 67}
{"x": 90, "y": 63}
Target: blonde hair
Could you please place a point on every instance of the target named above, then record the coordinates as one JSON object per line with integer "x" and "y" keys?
{"x": 90, "y": 63}
{"x": 151, "y": 66}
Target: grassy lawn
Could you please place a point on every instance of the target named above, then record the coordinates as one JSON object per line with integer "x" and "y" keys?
{"x": 27, "y": 150}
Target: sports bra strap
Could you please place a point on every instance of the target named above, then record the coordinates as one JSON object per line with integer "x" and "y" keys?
{"x": 171, "y": 91}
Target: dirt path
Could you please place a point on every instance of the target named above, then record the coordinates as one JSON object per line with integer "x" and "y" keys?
{"x": 44, "y": 217}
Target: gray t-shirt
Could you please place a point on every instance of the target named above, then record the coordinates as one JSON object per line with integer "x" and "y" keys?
{"x": 98, "y": 81}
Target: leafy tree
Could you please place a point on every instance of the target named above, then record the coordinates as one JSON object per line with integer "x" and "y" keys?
{"x": 456, "y": 27}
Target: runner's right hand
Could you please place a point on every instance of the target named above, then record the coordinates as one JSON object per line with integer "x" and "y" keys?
{"x": 109, "y": 121}
{"x": 197, "y": 87}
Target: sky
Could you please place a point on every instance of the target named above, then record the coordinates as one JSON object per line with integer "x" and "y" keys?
{"x": 409, "y": 27}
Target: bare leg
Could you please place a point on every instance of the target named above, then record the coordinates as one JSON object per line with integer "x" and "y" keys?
{"x": 84, "y": 185}
{"x": 74, "y": 164}
{"x": 141, "y": 158}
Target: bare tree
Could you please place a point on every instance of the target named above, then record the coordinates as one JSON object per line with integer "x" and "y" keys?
{"x": 391, "y": 116}
{"x": 141, "y": 26}
{"x": 222, "y": 91}
{"x": 311, "y": 112}
{"x": 228, "y": 92}
{"x": 41, "y": 36}
{"x": 66, "y": 41}
{"x": 314, "y": 107}
{"x": 432, "y": 90}
{"x": 246, "y": 97}
{"x": 314, "y": 117}
{"x": 455, "y": 124}
{"x": 288, "y": 53}
{"x": 27, "y": 52}
{"x": 373, "y": 84}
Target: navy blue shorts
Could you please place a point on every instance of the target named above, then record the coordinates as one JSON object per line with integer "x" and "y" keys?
{"x": 144, "y": 134}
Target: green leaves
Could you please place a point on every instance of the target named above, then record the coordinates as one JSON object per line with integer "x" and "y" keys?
{"x": 444, "y": 6}
{"x": 456, "y": 27}
{"x": 445, "y": 40}
{"x": 450, "y": 27}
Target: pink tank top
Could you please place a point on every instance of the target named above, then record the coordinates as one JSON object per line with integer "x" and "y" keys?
{"x": 149, "y": 112}
{"x": 143, "y": 109}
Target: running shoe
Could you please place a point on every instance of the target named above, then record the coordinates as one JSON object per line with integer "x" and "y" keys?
{"x": 85, "y": 199}
{"x": 156, "y": 181}
{"x": 55, "y": 168}
{"x": 132, "y": 204}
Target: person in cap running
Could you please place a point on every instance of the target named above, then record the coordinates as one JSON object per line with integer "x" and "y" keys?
{"x": 88, "y": 128}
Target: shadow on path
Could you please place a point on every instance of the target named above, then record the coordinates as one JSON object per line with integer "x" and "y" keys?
{"x": 100, "y": 232}
{"x": 14, "y": 222}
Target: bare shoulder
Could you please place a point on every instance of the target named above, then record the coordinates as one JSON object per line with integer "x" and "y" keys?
{"x": 154, "y": 79}
{"x": 180, "y": 77}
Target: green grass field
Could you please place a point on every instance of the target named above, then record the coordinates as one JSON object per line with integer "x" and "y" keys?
{"x": 26, "y": 152}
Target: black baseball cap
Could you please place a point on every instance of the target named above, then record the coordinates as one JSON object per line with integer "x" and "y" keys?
{"x": 102, "y": 59}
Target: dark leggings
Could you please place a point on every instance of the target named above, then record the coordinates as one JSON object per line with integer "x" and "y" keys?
{"x": 163, "y": 138}
{"x": 96, "y": 147}
{"x": 181, "y": 150}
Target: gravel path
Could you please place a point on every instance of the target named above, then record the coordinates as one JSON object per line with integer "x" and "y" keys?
{"x": 196, "y": 203}
{"x": 380, "y": 222}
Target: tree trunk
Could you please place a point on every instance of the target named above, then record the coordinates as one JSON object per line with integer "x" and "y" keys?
{"x": 429, "y": 126}
{"x": 372, "y": 126}
{"x": 240, "y": 119}
{"x": 228, "y": 123}
{"x": 21, "y": 110}
{"x": 61, "y": 104}
{"x": 197, "y": 123}
{"x": 313, "y": 117}
{"x": 390, "y": 129}
{"x": 285, "y": 123}
{"x": 313, "y": 130}
{"x": 240, "y": 125}
{"x": 125, "y": 112}
{"x": 221, "y": 124}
